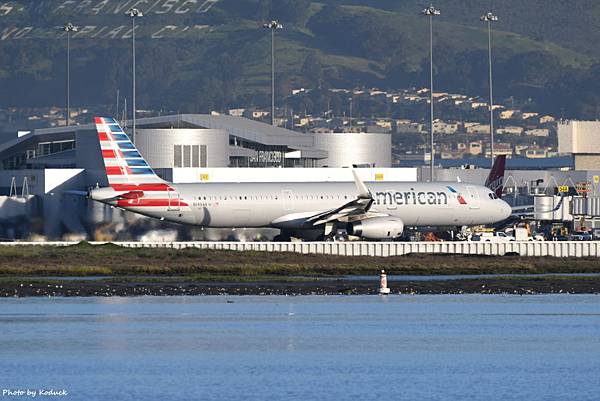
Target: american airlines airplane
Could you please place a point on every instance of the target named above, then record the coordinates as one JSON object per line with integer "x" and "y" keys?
{"x": 316, "y": 210}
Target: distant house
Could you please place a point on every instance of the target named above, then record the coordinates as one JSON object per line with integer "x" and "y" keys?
{"x": 377, "y": 92}
{"x": 302, "y": 122}
{"x": 478, "y": 129}
{"x": 505, "y": 149}
{"x": 521, "y": 149}
{"x": 408, "y": 127}
{"x": 510, "y": 130}
{"x": 542, "y": 132}
{"x": 384, "y": 124}
{"x": 547, "y": 119}
{"x": 236, "y": 112}
{"x": 256, "y": 114}
{"x": 353, "y": 130}
{"x": 508, "y": 114}
{"x": 378, "y": 129}
{"x": 321, "y": 130}
{"x": 475, "y": 148}
{"x": 527, "y": 116}
{"x": 442, "y": 127}
{"x": 477, "y": 105}
{"x": 536, "y": 153}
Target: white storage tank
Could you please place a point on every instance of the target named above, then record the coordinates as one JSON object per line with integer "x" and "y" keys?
{"x": 347, "y": 149}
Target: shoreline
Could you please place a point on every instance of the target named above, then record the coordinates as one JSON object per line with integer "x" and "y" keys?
{"x": 110, "y": 270}
{"x": 178, "y": 286}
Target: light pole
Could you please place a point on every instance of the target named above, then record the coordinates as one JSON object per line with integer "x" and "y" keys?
{"x": 489, "y": 18}
{"x": 273, "y": 26}
{"x": 68, "y": 28}
{"x": 133, "y": 13}
{"x": 431, "y": 12}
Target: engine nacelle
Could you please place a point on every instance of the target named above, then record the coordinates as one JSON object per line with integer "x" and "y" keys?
{"x": 377, "y": 228}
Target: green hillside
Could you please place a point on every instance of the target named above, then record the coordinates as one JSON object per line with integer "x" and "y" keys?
{"x": 219, "y": 56}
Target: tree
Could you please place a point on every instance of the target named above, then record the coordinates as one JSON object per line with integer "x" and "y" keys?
{"x": 294, "y": 11}
{"x": 312, "y": 70}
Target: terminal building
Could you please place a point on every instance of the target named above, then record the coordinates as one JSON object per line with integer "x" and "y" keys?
{"x": 197, "y": 141}
{"x": 582, "y": 140}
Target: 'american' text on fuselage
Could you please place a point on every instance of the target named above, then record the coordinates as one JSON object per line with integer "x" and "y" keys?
{"x": 411, "y": 198}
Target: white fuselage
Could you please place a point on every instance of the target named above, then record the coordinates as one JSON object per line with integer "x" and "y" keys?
{"x": 285, "y": 205}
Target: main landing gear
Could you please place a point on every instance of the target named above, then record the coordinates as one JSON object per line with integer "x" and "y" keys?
{"x": 282, "y": 238}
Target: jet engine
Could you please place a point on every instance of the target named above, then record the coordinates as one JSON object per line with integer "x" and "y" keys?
{"x": 377, "y": 228}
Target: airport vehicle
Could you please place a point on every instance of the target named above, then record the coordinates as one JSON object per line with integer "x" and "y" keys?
{"x": 371, "y": 210}
{"x": 581, "y": 236}
{"x": 491, "y": 236}
{"x": 523, "y": 234}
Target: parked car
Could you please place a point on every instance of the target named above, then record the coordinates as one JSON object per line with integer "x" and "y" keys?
{"x": 581, "y": 236}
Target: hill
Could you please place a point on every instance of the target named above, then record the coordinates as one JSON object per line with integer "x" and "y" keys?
{"x": 201, "y": 55}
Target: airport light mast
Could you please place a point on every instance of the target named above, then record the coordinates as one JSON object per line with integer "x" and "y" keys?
{"x": 273, "y": 26}
{"x": 489, "y": 18}
{"x": 133, "y": 13}
{"x": 431, "y": 12}
{"x": 68, "y": 28}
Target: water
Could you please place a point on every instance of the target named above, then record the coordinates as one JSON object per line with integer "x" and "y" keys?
{"x": 467, "y": 347}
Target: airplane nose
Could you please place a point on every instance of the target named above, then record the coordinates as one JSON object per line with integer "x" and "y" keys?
{"x": 505, "y": 210}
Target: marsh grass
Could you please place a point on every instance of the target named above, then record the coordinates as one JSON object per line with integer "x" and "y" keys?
{"x": 112, "y": 260}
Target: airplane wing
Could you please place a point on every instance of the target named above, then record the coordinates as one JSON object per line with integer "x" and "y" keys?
{"x": 357, "y": 207}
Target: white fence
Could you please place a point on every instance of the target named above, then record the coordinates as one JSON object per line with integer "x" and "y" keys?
{"x": 382, "y": 249}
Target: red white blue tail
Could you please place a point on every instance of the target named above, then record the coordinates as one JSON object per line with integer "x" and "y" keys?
{"x": 132, "y": 182}
{"x": 124, "y": 164}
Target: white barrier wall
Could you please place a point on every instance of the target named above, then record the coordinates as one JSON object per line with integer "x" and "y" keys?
{"x": 572, "y": 249}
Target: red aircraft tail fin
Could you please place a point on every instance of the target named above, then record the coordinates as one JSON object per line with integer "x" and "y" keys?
{"x": 495, "y": 180}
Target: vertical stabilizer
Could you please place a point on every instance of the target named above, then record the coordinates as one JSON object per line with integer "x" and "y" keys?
{"x": 123, "y": 163}
{"x": 495, "y": 180}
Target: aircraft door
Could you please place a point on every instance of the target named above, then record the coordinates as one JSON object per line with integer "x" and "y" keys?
{"x": 474, "y": 202}
{"x": 288, "y": 200}
{"x": 174, "y": 201}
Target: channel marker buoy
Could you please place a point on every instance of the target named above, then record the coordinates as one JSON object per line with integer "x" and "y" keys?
{"x": 383, "y": 288}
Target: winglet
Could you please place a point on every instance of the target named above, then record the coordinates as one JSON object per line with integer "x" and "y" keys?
{"x": 363, "y": 191}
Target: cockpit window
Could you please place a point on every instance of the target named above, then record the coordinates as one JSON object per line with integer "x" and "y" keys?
{"x": 492, "y": 195}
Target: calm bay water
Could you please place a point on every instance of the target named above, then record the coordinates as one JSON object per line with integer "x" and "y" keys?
{"x": 328, "y": 348}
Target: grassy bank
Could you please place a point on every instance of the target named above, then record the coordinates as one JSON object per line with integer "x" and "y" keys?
{"x": 112, "y": 260}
